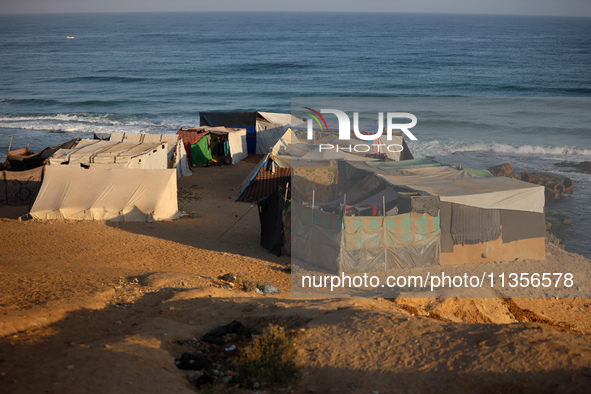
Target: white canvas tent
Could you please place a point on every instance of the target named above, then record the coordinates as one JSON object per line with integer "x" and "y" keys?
{"x": 116, "y": 194}
{"x": 461, "y": 187}
{"x": 271, "y": 126}
{"x": 177, "y": 155}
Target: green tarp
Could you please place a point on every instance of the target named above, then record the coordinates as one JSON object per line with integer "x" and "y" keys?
{"x": 200, "y": 151}
{"x": 480, "y": 173}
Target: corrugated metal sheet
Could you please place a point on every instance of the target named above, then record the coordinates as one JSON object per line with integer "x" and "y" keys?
{"x": 265, "y": 183}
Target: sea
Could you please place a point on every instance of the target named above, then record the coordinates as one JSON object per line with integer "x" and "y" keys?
{"x": 155, "y": 72}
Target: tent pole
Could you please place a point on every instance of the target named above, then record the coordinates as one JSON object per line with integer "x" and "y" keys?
{"x": 385, "y": 248}
{"x": 313, "y": 196}
{"x": 10, "y": 144}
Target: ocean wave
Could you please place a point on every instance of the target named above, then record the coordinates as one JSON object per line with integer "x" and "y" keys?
{"x": 29, "y": 101}
{"x": 81, "y": 118}
{"x": 86, "y": 123}
{"x": 436, "y": 147}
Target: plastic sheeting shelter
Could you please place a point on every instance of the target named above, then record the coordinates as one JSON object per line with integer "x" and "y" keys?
{"x": 138, "y": 195}
{"x": 482, "y": 218}
{"x": 192, "y": 137}
{"x": 352, "y": 244}
{"x": 222, "y": 144}
{"x": 415, "y": 213}
{"x": 201, "y": 151}
{"x": 263, "y": 128}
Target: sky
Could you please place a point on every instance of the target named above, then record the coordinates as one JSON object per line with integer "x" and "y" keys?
{"x": 519, "y": 7}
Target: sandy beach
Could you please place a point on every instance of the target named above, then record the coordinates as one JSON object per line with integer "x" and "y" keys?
{"x": 99, "y": 307}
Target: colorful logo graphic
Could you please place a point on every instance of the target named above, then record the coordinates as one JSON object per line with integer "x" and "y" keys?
{"x": 317, "y": 115}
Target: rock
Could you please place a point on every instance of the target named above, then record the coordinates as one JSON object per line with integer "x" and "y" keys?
{"x": 257, "y": 290}
{"x": 193, "y": 214}
{"x": 501, "y": 169}
{"x": 584, "y": 166}
{"x": 228, "y": 278}
{"x": 270, "y": 289}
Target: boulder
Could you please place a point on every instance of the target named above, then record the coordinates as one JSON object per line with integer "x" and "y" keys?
{"x": 502, "y": 169}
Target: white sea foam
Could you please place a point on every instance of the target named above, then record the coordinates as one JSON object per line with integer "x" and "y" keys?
{"x": 85, "y": 123}
{"x": 436, "y": 147}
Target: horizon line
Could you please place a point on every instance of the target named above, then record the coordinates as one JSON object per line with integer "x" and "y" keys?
{"x": 284, "y": 12}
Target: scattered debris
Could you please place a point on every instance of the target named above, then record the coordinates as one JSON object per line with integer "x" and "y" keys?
{"x": 270, "y": 289}
{"x": 199, "y": 379}
{"x": 217, "y": 335}
{"x": 192, "y": 362}
{"x": 250, "y": 362}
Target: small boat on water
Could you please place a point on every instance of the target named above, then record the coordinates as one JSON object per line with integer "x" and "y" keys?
{"x": 70, "y": 37}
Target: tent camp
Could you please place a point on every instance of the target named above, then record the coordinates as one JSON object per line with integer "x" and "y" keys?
{"x": 416, "y": 214}
{"x": 263, "y": 128}
{"x": 102, "y": 154}
{"x": 222, "y": 144}
{"x": 177, "y": 155}
{"x": 354, "y": 213}
{"x": 117, "y": 194}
